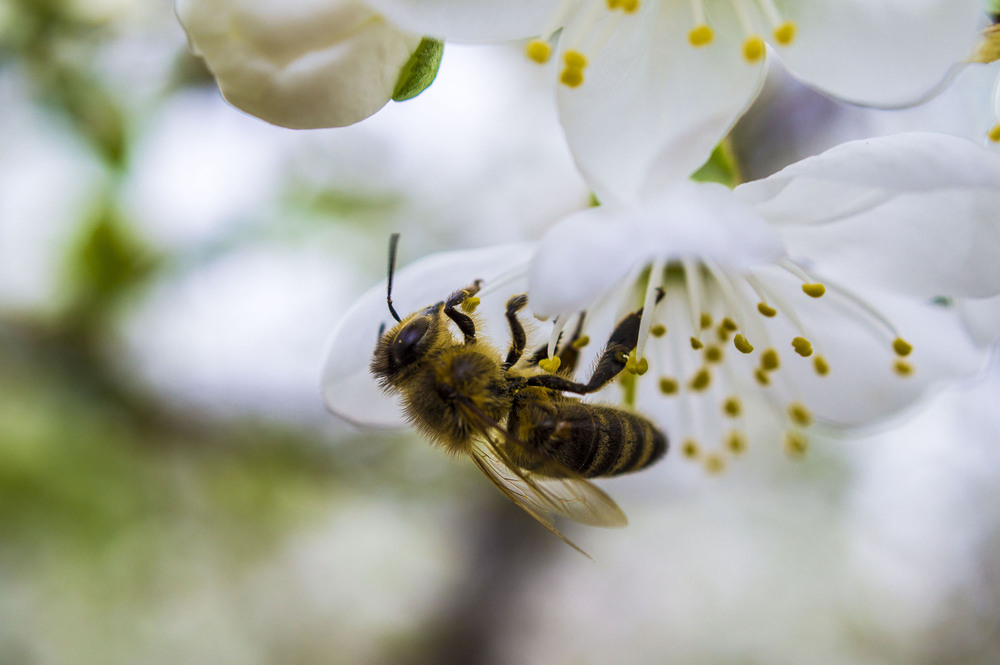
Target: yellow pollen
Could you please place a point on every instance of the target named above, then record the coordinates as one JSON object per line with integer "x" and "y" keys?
{"x": 581, "y": 341}
{"x": 769, "y": 360}
{"x": 714, "y": 464}
{"x": 784, "y": 34}
{"x": 814, "y": 290}
{"x": 613, "y": 4}
{"x": 729, "y": 325}
{"x": 802, "y": 346}
{"x": 722, "y": 334}
{"x": 640, "y": 366}
{"x": 668, "y": 386}
{"x": 571, "y": 78}
{"x": 736, "y": 442}
{"x": 701, "y": 35}
{"x": 903, "y": 368}
{"x": 762, "y": 377}
{"x": 549, "y": 364}
{"x": 701, "y": 380}
{"x": 538, "y": 51}
{"x": 732, "y": 407}
{"x": 659, "y": 330}
{"x": 575, "y": 59}
{"x": 994, "y": 133}
{"x": 753, "y": 48}
{"x": 629, "y": 6}
{"x": 689, "y": 448}
{"x": 796, "y": 444}
{"x": 766, "y": 309}
{"x": 821, "y": 366}
{"x": 742, "y": 345}
{"x": 901, "y": 347}
{"x": 706, "y": 321}
{"x": 799, "y": 414}
{"x": 470, "y": 304}
{"x": 713, "y": 354}
{"x": 696, "y": 343}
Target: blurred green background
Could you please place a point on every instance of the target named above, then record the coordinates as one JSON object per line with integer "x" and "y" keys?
{"x": 171, "y": 490}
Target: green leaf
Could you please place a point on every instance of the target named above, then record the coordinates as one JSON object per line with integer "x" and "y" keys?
{"x": 419, "y": 71}
{"x": 721, "y": 167}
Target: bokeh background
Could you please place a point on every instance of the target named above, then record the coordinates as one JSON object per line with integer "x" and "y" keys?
{"x": 172, "y": 491}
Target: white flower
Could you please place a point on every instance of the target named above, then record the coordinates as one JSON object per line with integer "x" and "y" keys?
{"x": 300, "y": 64}
{"x": 649, "y": 87}
{"x": 820, "y": 294}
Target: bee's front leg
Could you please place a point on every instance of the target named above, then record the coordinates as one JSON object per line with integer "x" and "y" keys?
{"x": 463, "y": 321}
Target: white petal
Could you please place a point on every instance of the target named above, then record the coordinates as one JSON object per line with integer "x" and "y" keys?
{"x": 652, "y": 107}
{"x": 916, "y": 213}
{"x": 348, "y": 388}
{"x": 589, "y": 252}
{"x": 982, "y": 318}
{"x": 470, "y": 20}
{"x": 305, "y": 64}
{"x": 881, "y": 52}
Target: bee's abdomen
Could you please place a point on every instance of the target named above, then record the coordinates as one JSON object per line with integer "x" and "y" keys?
{"x": 595, "y": 440}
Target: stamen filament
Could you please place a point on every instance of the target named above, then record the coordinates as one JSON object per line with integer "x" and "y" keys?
{"x": 649, "y": 305}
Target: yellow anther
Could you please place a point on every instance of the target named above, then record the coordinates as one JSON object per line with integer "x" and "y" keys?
{"x": 714, "y": 464}
{"x": 713, "y": 354}
{"x": 550, "y": 364}
{"x": 766, "y": 309}
{"x": 729, "y": 325}
{"x": 994, "y": 133}
{"x": 706, "y": 321}
{"x": 668, "y": 386}
{"x": 571, "y": 78}
{"x": 629, "y": 6}
{"x": 901, "y": 347}
{"x": 796, "y": 444}
{"x": 903, "y": 368}
{"x": 742, "y": 345}
{"x": 581, "y": 341}
{"x": 696, "y": 343}
{"x": 574, "y": 59}
{"x": 659, "y": 330}
{"x": 722, "y": 334}
{"x": 799, "y": 414}
{"x": 732, "y": 407}
{"x": 701, "y": 35}
{"x": 769, "y": 360}
{"x": 736, "y": 442}
{"x": 701, "y": 380}
{"x": 641, "y": 366}
{"x": 762, "y": 377}
{"x": 802, "y": 346}
{"x": 613, "y": 4}
{"x": 538, "y": 51}
{"x": 470, "y": 304}
{"x": 821, "y": 366}
{"x": 814, "y": 290}
{"x": 784, "y": 34}
{"x": 689, "y": 448}
{"x": 753, "y": 48}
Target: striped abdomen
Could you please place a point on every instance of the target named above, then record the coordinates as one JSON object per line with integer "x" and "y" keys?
{"x": 590, "y": 439}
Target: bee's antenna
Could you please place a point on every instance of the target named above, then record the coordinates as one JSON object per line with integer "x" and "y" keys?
{"x": 393, "y": 241}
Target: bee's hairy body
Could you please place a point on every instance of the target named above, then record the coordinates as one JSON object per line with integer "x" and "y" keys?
{"x": 534, "y": 442}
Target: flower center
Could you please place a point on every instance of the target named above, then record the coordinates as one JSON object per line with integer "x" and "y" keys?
{"x": 719, "y": 343}
{"x": 592, "y": 29}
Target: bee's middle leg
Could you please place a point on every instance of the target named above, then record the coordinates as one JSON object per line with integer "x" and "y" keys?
{"x": 517, "y": 337}
{"x": 463, "y": 321}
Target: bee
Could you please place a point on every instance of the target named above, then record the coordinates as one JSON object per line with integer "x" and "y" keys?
{"x": 535, "y": 442}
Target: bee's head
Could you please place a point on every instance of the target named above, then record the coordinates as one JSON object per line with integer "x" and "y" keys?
{"x": 399, "y": 349}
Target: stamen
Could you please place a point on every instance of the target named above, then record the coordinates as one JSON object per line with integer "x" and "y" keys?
{"x": 653, "y": 288}
{"x": 696, "y": 343}
{"x": 705, "y": 321}
{"x": 550, "y": 365}
{"x": 539, "y": 51}
{"x": 766, "y": 310}
{"x": 701, "y": 34}
{"x": 762, "y": 377}
{"x": 796, "y": 444}
{"x": 802, "y": 346}
{"x": 689, "y": 448}
{"x": 572, "y": 74}
{"x": 581, "y": 341}
{"x": 753, "y": 45}
{"x": 799, "y": 414}
{"x": 713, "y": 354}
{"x": 903, "y": 368}
{"x": 769, "y": 360}
{"x": 901, "y": 347}
{"x": 714, "y": 464}
{"x": 814, "y": 290}
{"x": 994, "y": 133}
{"x": 659, "y": 330}
{"x": 742, "y": 345}
{"x": 736, "y": 442}
{"x": 701, "y": 380}
{"x": 732, "y": 407}
{"x": 668, "y": 385}
{"x": 784, "y": 31}
{"x": 692, "y": 283}
{"x": 821, "y": 366}
{"x": 753, "y": 48}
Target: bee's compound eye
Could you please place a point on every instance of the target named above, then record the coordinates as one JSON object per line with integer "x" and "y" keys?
{"x": 404, "y": 347}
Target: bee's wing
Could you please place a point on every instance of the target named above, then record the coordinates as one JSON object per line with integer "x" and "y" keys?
{"x": 542, "y": 497}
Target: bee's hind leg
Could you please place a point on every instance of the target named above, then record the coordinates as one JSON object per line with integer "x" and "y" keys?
{"x": 463, "y": 321}
{"x": 517, "y": 337}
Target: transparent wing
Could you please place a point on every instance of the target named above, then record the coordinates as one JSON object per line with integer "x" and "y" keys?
{"x": 542, "y": 497}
